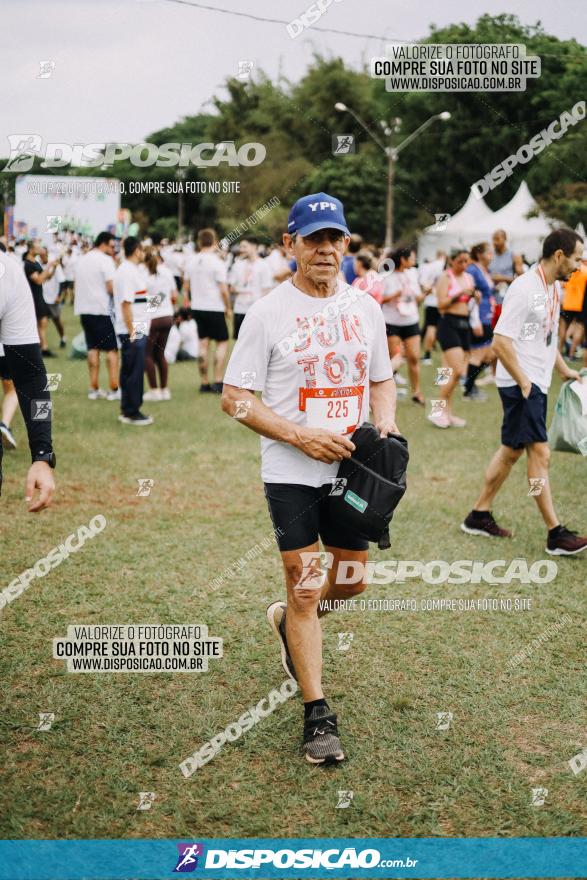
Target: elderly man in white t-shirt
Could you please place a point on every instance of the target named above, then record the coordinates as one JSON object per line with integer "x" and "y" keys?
{"x": 319, "y": 357}
{"x": 525, "y": 342}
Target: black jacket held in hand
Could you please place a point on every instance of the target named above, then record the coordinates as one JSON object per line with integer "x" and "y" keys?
{"x": 374, "y": 483}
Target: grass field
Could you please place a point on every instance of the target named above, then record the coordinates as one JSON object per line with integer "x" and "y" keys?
{"x": 117, "y": 734}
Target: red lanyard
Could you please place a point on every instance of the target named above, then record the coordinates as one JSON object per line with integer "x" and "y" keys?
{"x": 551, "y": 306}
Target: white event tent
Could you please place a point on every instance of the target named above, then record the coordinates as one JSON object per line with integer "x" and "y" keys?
{"x": 472, "y": 223}
{"x": 476, "y": 222}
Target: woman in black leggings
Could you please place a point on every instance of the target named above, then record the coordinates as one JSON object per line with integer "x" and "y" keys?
{"x": 161, "y": 296}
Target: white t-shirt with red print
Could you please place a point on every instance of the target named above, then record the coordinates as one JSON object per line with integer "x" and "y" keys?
{"x": 313, "y": 359}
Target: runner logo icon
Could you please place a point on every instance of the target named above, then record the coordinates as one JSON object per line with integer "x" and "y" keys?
{"x": 188, "y": 857}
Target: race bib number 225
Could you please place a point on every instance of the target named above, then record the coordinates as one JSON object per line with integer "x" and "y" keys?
{"x": 335, "y": 409}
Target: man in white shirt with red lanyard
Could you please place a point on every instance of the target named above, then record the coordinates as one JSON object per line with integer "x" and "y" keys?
{"x": 132, "y": 328}
{"x": 525, "y": 342}
{"x": 316, "y": 348}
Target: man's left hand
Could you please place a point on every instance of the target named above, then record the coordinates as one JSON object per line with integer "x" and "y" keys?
{"x": 40, "y": 476}
{"x": 572, "y": 374}
{"x": 387, "y": 427}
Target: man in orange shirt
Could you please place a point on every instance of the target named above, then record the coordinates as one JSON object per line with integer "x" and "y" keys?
{"x": 574, "y": 309}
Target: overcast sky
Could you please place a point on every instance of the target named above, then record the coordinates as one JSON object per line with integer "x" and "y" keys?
{"x": 125, "y": 68}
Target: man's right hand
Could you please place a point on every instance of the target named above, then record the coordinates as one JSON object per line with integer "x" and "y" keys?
{"x": 526, "y": 389}
{"x": 323, "y": 445}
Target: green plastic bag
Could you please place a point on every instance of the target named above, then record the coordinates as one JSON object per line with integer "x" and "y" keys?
{"x": 78, "y": 347}
{"x": 568, "y": 431}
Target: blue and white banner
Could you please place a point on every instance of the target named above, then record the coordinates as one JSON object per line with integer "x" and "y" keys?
{"x": 298, "y": 858}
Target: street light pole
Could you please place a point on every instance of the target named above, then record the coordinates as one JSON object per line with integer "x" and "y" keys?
{"x": 180, "y": 176}
{"x": 391, "y": 152}
{"x": 391, "y": 160}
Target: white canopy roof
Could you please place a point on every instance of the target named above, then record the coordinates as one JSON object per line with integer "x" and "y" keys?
{"x": 476, "y": 222}
{"x": 471, "y": 222}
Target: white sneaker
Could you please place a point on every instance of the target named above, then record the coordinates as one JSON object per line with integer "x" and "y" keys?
{"x": 399, "y": 380}
{"x": 113, "y": 395}
{"x": 489, "y": 379}
{"x": 165, "y": 394}
{"x": 152, "y": 394}
{"x": 440, "y": 420}
{"x": 96, "y": 394}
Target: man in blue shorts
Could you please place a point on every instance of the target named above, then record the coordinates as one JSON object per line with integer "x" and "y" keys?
{"x": 526, "y": 345}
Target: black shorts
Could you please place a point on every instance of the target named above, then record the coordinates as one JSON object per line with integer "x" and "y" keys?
{"x": 41, "y": 307}
{"x": 568, "y": 316}
{"x": 211, "y": 325}
{"x": 4, "y": 371}
{"x": 524, "y": 421}
{"x": 431, "y": 316}
{"x": 403, "y": 332}
{"x": 302, "y": 513}
{"x": 238, "y": 319}
{"x": 485, "y": 339}
{"x": 99, "y": 332}
{"x": 453, "y": 332}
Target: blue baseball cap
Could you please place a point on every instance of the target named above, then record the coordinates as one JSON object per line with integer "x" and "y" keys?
{"x": 314, "y": 212}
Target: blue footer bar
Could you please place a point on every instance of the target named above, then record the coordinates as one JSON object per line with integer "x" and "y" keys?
{"x": 312, "y": 858}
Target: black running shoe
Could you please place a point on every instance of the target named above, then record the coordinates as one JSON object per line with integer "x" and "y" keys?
{"x": 321, "y": 742}
{"x": 485, "y": 526}
{"x": 276, "y": 618}
{"x": 205, "y": 389}
{"x": 216, "y": 388}
{"x": 565, "y": 543}
{"x": 139, "y": 419}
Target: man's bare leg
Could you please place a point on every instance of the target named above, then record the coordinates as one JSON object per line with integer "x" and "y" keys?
{"x": 331, "y": 589}
{"x": 496, "y": 474}
{"x": 42, "y": 328}
{"x": 10, "y": 402}
{"x": 94, "y": 367}
{"x": 203, "y": 361}
{"x": 538, "y": 461}
{"x": 113, "y": 368}
{"x": 302, "y": 627}
{"x": 219, "y": 359}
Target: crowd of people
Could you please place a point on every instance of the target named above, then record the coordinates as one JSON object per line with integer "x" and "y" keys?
{"x": 148, "y": 302}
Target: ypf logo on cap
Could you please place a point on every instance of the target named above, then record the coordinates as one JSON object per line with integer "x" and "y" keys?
{"x": 314, "y": 212}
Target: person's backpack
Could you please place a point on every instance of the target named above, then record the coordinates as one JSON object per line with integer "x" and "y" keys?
{"x": 374, "y": 483}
